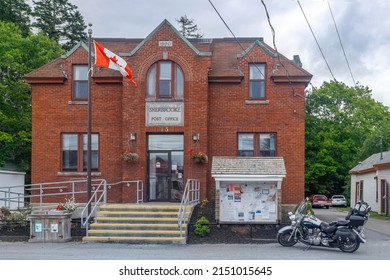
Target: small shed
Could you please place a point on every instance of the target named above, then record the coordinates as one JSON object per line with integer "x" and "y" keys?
{"x": 11, "y": 185}
{"x": 248, "y": 189}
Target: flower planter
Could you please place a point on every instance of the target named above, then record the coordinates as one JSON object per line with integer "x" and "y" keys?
{"x": 199, "y": 160}
{"x": 129, "y": 156}
{"x": 197, "y": 156}
{"x": 130, "y": 160}
{"x": 53, "y": 226}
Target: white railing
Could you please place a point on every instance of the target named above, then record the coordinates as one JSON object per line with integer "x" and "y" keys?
{"x": 94, "y": 201}
{"x": 14, "y": 197}
{"x": 99, "y": 197}
{"x": 191, "y": 196}
{"x": 138, "y": 183}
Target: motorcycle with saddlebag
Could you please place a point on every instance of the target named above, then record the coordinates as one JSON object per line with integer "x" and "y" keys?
{"x": 308, "y": 229}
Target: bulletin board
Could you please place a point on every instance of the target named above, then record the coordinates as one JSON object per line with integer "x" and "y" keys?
{"x": 252, "y": 202}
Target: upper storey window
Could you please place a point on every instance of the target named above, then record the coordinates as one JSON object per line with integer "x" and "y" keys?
{"x": 256, "y": 77}
{"x": 80, "y": 82}
{"x": 165, "y": 80}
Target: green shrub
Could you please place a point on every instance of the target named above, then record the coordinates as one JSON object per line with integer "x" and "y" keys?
{"x": 202, "y": 207}
{"x": 17, "y": 218}
{"x": 202, "y": 227}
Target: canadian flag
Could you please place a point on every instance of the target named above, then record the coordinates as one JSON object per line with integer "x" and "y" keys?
{"x": 108, "y": 59}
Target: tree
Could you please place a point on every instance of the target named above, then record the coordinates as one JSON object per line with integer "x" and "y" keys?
{"x": 377, "y": 141}
{"x": 60, "y": 20}
{"x": 17, "y": 12}
{"x": 187, "y": 27}
{"x": 18, "y": 56}
{"x": 339, "y": 119}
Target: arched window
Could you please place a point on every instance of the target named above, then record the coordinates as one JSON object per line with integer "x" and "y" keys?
{"x": 165, "y": 80}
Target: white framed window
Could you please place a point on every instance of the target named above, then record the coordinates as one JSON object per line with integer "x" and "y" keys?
{"x": 165, "y": 80}
{"x": 74, "y": 151}
{"x": 257, "y": 81}
{"x": 80, "y": 82}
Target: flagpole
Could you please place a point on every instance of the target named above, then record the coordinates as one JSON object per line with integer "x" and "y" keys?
{"x": 89, "y": 136}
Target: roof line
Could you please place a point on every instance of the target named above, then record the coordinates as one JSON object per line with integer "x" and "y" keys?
{"x": 261, "y": 45}
{"x": 78, "y": 45}
{"x": 165, "y": 22}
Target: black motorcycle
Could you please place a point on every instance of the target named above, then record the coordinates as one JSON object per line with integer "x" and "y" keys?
{"x": 308, "y": 229}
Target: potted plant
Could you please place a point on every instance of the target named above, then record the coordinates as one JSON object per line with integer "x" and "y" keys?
{"x": 69, "y": 205}
{"x": 197, "y": 156}
{"x": 129, "y": 156}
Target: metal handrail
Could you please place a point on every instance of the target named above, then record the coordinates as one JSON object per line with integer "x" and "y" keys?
{"x": 103, "y": 196}
{"x": 140, "y": 188}
{"x": 8, "y": 195}
{"x": 42, "y": 190}
{"x": 191, "y": 196}
{"x": 94, "y": 198}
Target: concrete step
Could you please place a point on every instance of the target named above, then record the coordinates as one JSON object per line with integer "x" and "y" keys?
{"x": 142, "y": 207}
{"x": 136, "y": 240}
{"x": 135, "y": 223}
{"x": 132, "y": 220}
{"x": 145, "y": 214}
{"x": 134, "y": 233}
{"x": 125, "y": 226}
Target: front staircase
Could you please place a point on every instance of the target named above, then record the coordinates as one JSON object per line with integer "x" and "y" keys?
{"x": 138, "y": 223}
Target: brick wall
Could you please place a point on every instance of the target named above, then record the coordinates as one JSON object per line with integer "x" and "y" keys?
{"x": 217, "y": 111}
{"x": 282, "y": 113}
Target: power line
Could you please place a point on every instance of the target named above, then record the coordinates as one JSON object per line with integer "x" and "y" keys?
{"x": 318, "y": 45}
{"x": 234, "y": 36}
{"x": 274, "y": 43}
{"x": 250, "y": 58}
{"x": 245, "y": 51}
{"x": 341, "y": 43}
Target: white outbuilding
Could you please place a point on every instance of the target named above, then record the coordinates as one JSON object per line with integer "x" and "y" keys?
{"x": 370, "y": 182}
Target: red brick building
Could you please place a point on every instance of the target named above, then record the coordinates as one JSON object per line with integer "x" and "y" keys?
{"x": 223, "y": 97}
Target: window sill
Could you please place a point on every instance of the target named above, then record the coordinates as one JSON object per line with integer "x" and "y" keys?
{"x": 256, "y": 102}
{"x": 149, "y": 99}
{"x": 76, "y": 102}
{"x": 76, "y": 173}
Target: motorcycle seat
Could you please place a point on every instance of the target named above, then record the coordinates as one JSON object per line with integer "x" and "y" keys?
{"x": 332, "y": 226}
{"x": 328, "y": 228}
{"x": 342, "y": 223}
{"x": 339, "y": 223}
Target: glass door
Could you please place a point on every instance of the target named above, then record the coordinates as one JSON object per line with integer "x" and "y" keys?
{"x": 165, "y": 167}
{"x": 177, "y": 187}
{"x": 159, "y": 175}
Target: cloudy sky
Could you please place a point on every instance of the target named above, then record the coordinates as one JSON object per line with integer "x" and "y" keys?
{"x": 363, "y": 25}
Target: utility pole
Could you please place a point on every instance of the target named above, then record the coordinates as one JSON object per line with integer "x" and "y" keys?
{"x": 89, "y": 128}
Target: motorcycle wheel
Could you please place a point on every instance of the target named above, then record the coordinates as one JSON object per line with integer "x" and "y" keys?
{"x": 350, "y": 246}
{"x": 283, "y": 239}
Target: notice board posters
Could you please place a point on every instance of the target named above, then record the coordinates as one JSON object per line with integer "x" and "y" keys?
{"x": 252, "y": 202}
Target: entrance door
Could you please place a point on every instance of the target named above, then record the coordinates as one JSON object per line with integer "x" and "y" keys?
{"x": 165, "y": 174}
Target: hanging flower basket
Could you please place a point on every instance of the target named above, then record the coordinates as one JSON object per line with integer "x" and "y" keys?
{"x": 198, "y": 156}
{"x": 129, "y": 156}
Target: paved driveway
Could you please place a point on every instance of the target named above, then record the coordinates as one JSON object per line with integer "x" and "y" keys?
{"x": 334, "y": 214}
